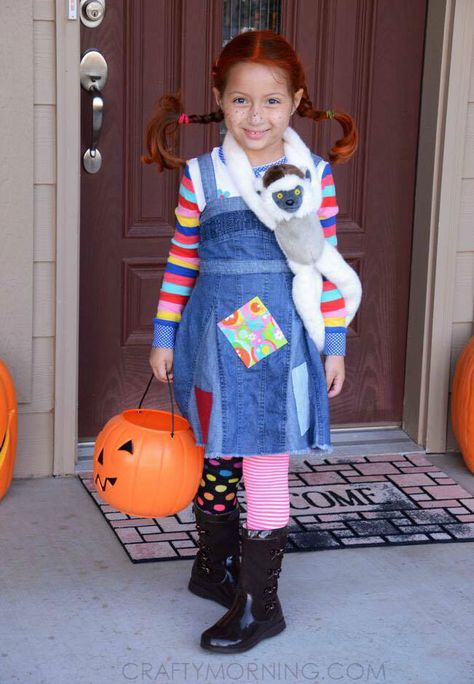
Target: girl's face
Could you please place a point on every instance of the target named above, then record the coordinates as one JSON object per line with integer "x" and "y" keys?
{"x": 257, "y": 107}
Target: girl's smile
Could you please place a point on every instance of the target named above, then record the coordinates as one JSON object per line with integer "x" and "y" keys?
{"x": 254, "y": 135}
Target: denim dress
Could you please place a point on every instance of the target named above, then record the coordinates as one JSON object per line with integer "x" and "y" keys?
{"x": 278, "y": 404}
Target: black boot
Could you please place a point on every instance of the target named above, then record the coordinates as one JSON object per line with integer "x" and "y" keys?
{"x": 215, "y": 570}
{"x": 256, "y": 612}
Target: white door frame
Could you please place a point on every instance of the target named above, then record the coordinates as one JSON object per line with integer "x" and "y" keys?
{"x": 68, "y": 158}
{"x": 442, "y": 139}
{"x": 449, "y": 36}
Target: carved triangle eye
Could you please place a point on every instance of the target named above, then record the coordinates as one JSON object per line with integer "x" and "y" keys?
{"x": 100, "y": 458}
{"x": 128, "y": 446}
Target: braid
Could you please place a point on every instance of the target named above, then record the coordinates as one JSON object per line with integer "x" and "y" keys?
{"x": 162, "y": 132}
{"x": 345, "y": 147}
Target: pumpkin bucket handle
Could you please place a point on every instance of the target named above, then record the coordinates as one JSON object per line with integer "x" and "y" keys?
{"x": 171, "y": 398}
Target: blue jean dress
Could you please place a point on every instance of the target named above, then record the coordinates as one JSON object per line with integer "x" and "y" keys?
{"x": 278, "y": 404}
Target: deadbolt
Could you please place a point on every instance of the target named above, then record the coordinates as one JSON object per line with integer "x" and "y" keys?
{"x": 92, "y": 12}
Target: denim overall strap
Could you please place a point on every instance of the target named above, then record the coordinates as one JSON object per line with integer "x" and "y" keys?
{"x": 208, "y": 178}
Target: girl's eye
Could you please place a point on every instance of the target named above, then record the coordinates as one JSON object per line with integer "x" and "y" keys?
{"x": 280, "y": 195}
{"x": 270, "y": 99}
{"x": 297, "y": 191}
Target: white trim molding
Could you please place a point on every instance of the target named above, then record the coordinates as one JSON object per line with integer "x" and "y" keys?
{"x": 451, "y": 173}
{"x": 68, "y": 127}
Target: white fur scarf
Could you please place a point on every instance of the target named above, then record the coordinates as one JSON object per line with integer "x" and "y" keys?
{"x": 243, "y": 177}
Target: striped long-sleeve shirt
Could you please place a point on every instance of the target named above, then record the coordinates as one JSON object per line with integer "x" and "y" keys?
{"x": 333, "y": 306}
{"x": 183, "y": 267}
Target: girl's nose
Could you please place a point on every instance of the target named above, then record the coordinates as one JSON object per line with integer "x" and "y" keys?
{"x": 255, "y": 114}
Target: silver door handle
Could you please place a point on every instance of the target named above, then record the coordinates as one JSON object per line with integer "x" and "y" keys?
{"x": 97, "y": 115}
{"x": 94, "y": 72}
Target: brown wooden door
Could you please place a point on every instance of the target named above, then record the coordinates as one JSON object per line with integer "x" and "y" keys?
{"x": 364, "y": 58}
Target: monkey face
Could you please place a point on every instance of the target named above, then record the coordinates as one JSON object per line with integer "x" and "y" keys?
{"x": 287, "y": 195}
{"x": 289, "y": 200}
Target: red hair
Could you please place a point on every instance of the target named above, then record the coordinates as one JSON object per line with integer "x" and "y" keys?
{"x": 258, "y": 47}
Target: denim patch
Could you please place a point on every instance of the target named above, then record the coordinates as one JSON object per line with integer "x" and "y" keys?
{"x": 299, "y": 377}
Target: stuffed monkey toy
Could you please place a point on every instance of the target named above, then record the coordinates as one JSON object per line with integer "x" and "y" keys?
{"x": 290, "y": 199}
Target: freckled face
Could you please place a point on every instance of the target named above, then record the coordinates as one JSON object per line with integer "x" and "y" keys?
{"x": 257, "y": 106}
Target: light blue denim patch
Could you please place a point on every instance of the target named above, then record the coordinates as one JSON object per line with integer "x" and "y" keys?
{"x": 300, "y": 382}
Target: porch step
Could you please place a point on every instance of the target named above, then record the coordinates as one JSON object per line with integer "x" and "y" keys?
{"x": 372, "y": 440}
{"x": 346, "y": 441}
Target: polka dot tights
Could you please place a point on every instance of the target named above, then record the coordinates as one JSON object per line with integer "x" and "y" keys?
{"x": 217, "y": 491}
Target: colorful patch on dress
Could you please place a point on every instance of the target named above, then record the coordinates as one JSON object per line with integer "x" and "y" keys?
{"x": 204, "y": 406}
{"x": 252, "y": 331}
{"x": 222, "y": 194}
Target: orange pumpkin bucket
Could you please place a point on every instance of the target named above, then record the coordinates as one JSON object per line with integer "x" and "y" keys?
{"x": 8, "y": 428}
{"x": 146, "y": 462}
{"x": 462, "y": 403}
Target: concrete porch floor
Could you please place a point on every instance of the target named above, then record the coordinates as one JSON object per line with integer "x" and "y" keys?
{"x": 74, "y": 608}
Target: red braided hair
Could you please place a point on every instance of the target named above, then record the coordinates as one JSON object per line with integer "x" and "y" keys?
{"x": 260, "y": 47}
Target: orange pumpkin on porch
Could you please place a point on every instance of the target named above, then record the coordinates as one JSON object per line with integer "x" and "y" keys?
{"x": 462, "y": 403}
{"x": 8, "y": 428}
{"x": 140, "y": 469}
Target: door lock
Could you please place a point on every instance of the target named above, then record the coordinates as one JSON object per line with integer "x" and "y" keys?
{"x": 92, "y": 12}
{"x": 94, "y": 71}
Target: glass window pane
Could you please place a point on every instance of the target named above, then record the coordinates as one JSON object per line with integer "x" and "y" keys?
{"x": 247, "y": 15}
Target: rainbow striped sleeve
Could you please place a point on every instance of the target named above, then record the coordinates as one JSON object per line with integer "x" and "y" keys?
{"x": 182, "y": 267}
{"x": 332, "y": 302}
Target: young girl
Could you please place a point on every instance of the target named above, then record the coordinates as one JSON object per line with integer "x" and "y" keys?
{"x": 246, "y": 374}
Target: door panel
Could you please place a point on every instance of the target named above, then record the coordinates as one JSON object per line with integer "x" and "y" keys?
{"x": 361, "y": 57}
{"x": 127, "y": 208}
{"x": 366, "y": 58}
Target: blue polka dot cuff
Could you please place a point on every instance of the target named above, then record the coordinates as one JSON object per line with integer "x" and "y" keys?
{"x": 163, "y": 335}
{"x": 335, "y": 344}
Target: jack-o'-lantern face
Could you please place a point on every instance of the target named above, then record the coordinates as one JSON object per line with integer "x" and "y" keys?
{"x": 128, "y": 446}
{"x": 140, "y": 469}
{"x": 8, "y": 428}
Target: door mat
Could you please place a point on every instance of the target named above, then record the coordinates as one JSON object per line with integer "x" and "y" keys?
{"x": 335, "y": 503}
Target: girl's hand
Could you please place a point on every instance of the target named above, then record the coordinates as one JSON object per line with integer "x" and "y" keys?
{"x": 335, "y": 374}
{"x": 160, "y": 360}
